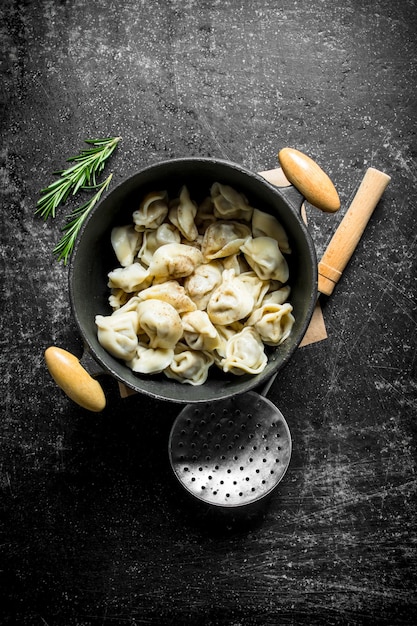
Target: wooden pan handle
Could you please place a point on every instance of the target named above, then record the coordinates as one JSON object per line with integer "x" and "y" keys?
{"x": 74, "y": 380}
{"x": 350, "y": 229}
{"x": 309, "y": 179}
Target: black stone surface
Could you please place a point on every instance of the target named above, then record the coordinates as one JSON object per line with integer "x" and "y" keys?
{"x": 94, "y": 530}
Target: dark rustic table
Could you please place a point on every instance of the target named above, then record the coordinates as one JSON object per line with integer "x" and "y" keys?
{"x": 94, "y": 529}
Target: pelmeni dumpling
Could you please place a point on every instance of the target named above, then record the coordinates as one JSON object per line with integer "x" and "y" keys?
{"x": 150, "y": 360}
{"x": 264, "y": 224}
{"x": 273, "y": 322}
{"x": 130, "y": 305}
{"x": 236, "y": 262}
{"x": 199, "y": 332}
{"x": 117, "y": 298}
{"x": 223, "y": 238}
{"x": 265, "y": 258}
{"x": 118, "y": 334}
{"x": 154, "y": 239}
{"x": 225, "y": 333}
{"x": 231, "y": 301}
{"x": 131, "y": 278}
{"x": 278, "y": 296}
{"x": 257, "y": 287}
{"x": 148, "y": 247}
{"x": 245, "y": 353}
{"x": 196, "y": 243}
{"x": 201, "y": 283}
{"x": 174, "y": 260}
{"x": 160, "y": 322}
{"x": 126, "y": 242}
{"x": 189, "y": 366}
{"x": 182, "y": 212}
{"x": 229, "y": 203}
{"x": 152, "y": 211}
{"x": 205, "y": 216}
{"x": 172, "y": 292}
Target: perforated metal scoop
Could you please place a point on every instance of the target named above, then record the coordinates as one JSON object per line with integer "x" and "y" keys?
{"x": 232, "y": 452}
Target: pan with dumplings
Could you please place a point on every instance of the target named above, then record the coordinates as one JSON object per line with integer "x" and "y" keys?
{"x": 195, "y": 279}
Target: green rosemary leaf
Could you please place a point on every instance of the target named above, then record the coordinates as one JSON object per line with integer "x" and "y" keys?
{"x": 75, "y": 220}
{"x": 48, "y": 203}
{"x": 80, "y": 184}
{"x": 86, "y": 168}
{"x": 99, "y": 142}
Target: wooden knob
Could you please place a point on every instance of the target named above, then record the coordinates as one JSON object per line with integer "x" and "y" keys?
{"x": 309, "y": 179}
{"x": 74, "y": 380}
{"x": 350, "y": 229}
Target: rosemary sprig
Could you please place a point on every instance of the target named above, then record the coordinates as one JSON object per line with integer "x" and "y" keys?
{"x": 75, "y": 220}
{"x": 88, "y": 166}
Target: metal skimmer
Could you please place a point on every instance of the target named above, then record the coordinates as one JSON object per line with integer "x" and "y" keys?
{"x": 231, "y": 452}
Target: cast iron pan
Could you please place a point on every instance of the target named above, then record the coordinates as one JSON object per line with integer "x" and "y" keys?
{"x": 93, "y": 258}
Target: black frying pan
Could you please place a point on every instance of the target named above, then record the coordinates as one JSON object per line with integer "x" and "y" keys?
{"x": 93, "y": 258}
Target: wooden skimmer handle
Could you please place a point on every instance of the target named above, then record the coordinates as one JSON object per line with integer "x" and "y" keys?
{"x": 350, "y": 229}
{"x": 74, "y": 380}
{"x": 310, "y": 180}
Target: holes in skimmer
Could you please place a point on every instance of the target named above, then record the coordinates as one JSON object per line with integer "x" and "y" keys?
{"x": 239, "y": 458}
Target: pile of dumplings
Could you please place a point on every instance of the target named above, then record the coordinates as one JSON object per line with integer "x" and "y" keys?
{"x": 197, "y": 286}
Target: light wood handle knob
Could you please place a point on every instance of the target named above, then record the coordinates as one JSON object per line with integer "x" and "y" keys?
{"x": 74, "y": 380}
{"x": 309, "y": 179}
{"x": 350, "y": 229}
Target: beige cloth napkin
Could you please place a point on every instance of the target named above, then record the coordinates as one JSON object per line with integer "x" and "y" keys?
{"x": 317, "y": 329}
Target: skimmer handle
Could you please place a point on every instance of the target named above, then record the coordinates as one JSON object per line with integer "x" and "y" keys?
{"x": 350, "y": 229}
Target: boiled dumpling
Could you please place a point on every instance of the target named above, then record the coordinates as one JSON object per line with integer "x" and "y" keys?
{"x": 117, "y": 298}
{"x": 224, "y": 238}
{"x": 154, "y": 239}
{"x": 148, "y": 247}
{"x": 278, "y": 296}
{"x": 199, "y": 332}
{"x": 175, "y": 260}
{"x": 230, "y": 301}
{"x": 202, "y": 282}
{"x": 225, "y": 333}
{"x": 205, "y": 216}
{"x": 130, "y": 305}
{"x": 152, "y": 211}
{"x": 172, "y": 292}
{"x": 130, "y": 278}
{"x": 125, "y": 241}
{"x": 150, "y": 360}
{"x": 265, "y": 258}
{"x": 245, "y": 353}
{"x": 257, "y": 287}
{"x": 182, "y": 213}
{"x": 273, "y": 322}
{"x": 167, "y": 233}
{"x": 236, "y": 262}
{"x": 118, "y": 334}
{"x": 229, "y": 203}
{"x": 196, "y": 243}
{"x": 160, "y": 322}
{"x": 189, "y": 366}
{"x": 264, "y": 224}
